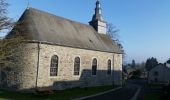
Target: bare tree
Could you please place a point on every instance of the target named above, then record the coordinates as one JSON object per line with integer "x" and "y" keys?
{"x": 5, "y": 22}
{"x": 112, "y": 31}
{"x": 11, "y": 47}
{"x": 10, "y": 44}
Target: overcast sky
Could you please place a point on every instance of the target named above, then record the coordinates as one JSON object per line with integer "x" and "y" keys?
{"x": 144, "y": 24}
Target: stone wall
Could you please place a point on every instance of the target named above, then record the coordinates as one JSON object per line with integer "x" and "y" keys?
{"x": 66, "y": 67}
{"x": 22, "y": 73}
{"x": 118, "y": 69}
{"x": 26, "y": 71}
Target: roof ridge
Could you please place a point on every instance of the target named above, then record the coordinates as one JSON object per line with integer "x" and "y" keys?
{"x": 41, "y": 11}
{"x": 44, "y": 26}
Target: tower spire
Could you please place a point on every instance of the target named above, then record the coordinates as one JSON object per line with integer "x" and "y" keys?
{"x": 98, "y": 12}
{"x": 97, "y": 21}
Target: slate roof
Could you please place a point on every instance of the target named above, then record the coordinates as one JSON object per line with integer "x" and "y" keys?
{"x": 48, "y": 28}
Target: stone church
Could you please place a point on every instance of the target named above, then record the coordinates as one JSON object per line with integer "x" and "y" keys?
{"x": 61, "y": 53}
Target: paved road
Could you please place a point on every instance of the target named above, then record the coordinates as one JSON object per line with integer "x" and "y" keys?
{"x": 141, "y": 83}
{"x": 125, "y": 93}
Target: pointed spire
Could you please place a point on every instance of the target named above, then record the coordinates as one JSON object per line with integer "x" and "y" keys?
{"x": 97, "y": 21}
{"x": 98, "y": 7}
{"x": 98, "y": 12}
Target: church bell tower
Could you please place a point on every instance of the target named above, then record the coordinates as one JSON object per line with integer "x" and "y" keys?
{"x": 97, "y": 21}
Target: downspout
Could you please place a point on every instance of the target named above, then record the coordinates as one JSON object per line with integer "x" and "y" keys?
{"x": 38, "y": 63}
{"x": 113, "y": 72}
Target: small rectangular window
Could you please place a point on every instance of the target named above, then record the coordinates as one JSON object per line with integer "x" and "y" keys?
{"x": 156, "y": 73}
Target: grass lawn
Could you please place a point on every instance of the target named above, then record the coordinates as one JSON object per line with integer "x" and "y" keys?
{"x": 152, "y": 96}
{"x": 154, "y": 92}
{"x": 67, "y": 94}
{"x": 155, "y": 86}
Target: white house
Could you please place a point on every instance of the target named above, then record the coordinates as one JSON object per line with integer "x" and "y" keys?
{"x": 159, "y": 74}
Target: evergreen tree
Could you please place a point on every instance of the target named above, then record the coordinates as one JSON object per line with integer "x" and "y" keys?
{"x": 151, "y": 63}
{"x": 168, "y": 61}
{"x": 133, "y": 64}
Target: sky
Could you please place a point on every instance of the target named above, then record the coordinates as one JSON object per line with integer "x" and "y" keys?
{"x": 144, "y": 24}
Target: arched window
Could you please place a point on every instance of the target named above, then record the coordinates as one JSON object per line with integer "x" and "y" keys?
{"x": 77, "y": 66}
{"x": 94, "y": 66}
{"x": 109, "y": 67}
{"x": 54, "y": 66}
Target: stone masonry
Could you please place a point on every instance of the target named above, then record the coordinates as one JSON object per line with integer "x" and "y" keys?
{"x": 25, "y": 75}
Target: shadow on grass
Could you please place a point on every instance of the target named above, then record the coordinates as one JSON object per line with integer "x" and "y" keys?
{"x": 86, "y": 79}
{"x": 153, "y": 91}
{"x": 152, "y": 96}
{"x": 67, "y": 94}
{"x": 85, "y": 83}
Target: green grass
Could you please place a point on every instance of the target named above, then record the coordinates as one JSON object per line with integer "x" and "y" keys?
{"x": 155, "y": 86}
{"x": 152, "y": 96}
{"x": 58, "y": 95}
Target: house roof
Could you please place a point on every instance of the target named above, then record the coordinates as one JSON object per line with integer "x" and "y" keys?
{"x": 41, "y": 26}
{"x": 160, "y": 66}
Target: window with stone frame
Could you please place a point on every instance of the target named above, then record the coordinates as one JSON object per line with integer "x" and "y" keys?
{"x": 54, "y": 66}
{"x": 156, "y": 73}
{"x": 109, "y": 67}
{"x": 77, "y": 66}
{"x": 94, "y": 66}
